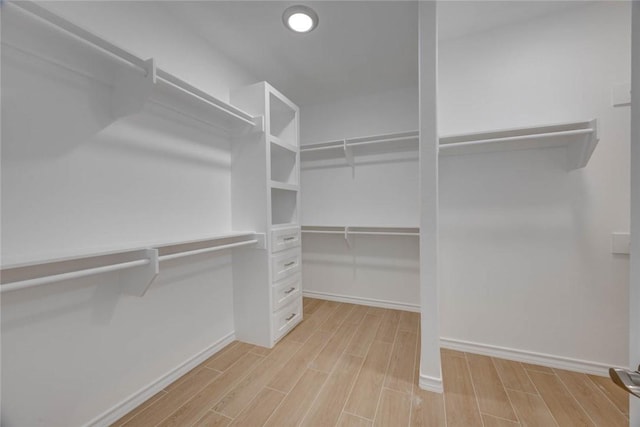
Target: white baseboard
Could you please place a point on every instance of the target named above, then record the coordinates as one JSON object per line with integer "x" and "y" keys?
{"x": 128, "y": 404}
{"x": 362, "y": 301}
{"x": 542, "y": 359}
{"x": 430, "y": 383}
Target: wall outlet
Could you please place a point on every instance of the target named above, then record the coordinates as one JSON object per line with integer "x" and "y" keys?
{"x": 621, "y": 95}
{"x": 620, "y": 243}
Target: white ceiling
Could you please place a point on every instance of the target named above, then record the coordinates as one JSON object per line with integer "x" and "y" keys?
{"x": 359, "y": 47}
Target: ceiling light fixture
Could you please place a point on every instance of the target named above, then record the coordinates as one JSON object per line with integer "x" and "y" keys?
{"x": 300, "y": 19}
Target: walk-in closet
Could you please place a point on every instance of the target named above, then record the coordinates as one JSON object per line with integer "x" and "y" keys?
{"x": 323, "y": 213}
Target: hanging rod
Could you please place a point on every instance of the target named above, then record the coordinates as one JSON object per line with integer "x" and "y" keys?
{"x": 353, "y": 142}
{"x": 449, "y": 145}
{"x": 206, "y": 250}
{"x": 382, "y": 233}
{"x": 141, "y": 280}
{"x": 143, "y": 65}
{"x": 364, "y": 231}
{"x": 30, "y": 283}
{"x": 205, "y": 97}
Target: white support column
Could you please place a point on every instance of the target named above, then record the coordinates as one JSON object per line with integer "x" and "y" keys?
{"x": 634, "y": 283}
{"x": 430, "y": 372}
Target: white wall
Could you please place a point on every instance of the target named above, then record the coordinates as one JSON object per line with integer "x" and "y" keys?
{"x": 634, "y": 288}
{"x": 525, "y": 246}
{"x": 378, "y": 113}
{"x": 382, "y": 190}
{"x": 74, "y": 181}
{"x": 430, "y": 367}
{"x": 149, "y": 29}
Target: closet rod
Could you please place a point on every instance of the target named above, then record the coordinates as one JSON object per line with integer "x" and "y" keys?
{"x": 517, "y": 138}
{"x": 141, "y": 64}
{"x": 362, "y": 233}
{"x": 355, "y": 144}
{"x": 382, "y": 233}
{"x": 203, "y": 96}
{"x": 71, "y": 275}
{"x": 206, "y": 250}
{"x": 323, "y": 232}
{"x": 382, "y": 141}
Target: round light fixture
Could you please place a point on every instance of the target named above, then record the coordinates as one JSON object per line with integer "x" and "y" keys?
{"x": 300, "y": 19}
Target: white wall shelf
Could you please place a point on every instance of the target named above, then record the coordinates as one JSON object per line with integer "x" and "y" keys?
{"x": 284, "y": 186}
{"x": 142, "y": 263}
{"x": 580, "y": 139}
{"x": 285, "y": 145}
{"x": 347, "y": 231}
{"x": 141, "y": 81}
{"x": 341, "y": 144}
{"x": 365, "y": 231}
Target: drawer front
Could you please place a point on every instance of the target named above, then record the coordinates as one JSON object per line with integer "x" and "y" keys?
{"x": 286, "y": 291}
{"x": 285, "y": 238}
{"x": 285, "y": 319}
{"x": 285, "y": 264}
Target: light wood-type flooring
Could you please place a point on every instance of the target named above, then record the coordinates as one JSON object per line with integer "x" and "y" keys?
{"x": 351, "y": 365}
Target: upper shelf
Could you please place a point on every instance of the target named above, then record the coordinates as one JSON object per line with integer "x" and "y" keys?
{"x": 138, "y": 81}
{"x": 580, "y": 139}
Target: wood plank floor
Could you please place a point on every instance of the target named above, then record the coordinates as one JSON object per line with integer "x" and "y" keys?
{"x": 349, "y": 365}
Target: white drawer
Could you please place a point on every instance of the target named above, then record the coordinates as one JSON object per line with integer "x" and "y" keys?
{"x": 285, "y": 319}
{"x": 285, "y": 264}
{"x": 285, "y": 238}
{"x": 286, "y": 291}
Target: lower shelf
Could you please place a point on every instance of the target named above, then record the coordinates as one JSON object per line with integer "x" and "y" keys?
{"x": 370, "y": 231}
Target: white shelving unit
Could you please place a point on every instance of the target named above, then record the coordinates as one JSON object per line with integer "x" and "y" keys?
{"x": 580, "y": 139}
{"x": 265, "y": 191}
{"x": 142, "y": 263}
{"x": 139, "y": 81}
{"x": 263, "y": 128}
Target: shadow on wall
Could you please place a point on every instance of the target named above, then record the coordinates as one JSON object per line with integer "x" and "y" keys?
{"x": 100, "y": 295}
{"x": 57, "y": 95}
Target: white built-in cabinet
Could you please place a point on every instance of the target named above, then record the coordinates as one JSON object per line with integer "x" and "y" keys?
{"x": 265, "y": 180}
{"x": 262, "y": 127}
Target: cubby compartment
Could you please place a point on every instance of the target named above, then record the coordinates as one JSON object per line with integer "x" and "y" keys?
{"x": 284, "y": 206}
{"x": 283, "y": 165}
{"x": 282, "y": 120}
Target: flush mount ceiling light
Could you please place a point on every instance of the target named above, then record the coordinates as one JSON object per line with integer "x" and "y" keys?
{"x": 300, "y": 19}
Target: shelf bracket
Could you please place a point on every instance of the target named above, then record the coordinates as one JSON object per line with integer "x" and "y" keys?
{"x": 245, "y": 129}
{"x": 258, "y": 124}
{"x": 348, "y": 155}
{"x": 346, "y": 236}
{"x": 132, "y": 90}
{"x": 262, "y": 241}
{"x": 138, "y": 280}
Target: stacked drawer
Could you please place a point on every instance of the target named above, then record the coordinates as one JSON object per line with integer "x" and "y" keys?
{"x": 286, "y": 279}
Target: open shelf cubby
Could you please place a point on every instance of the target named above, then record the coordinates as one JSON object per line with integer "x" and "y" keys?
{"x": 284, "y": 206}
{"x": 283, "y": 165}
{"x": 282, "y": 123}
